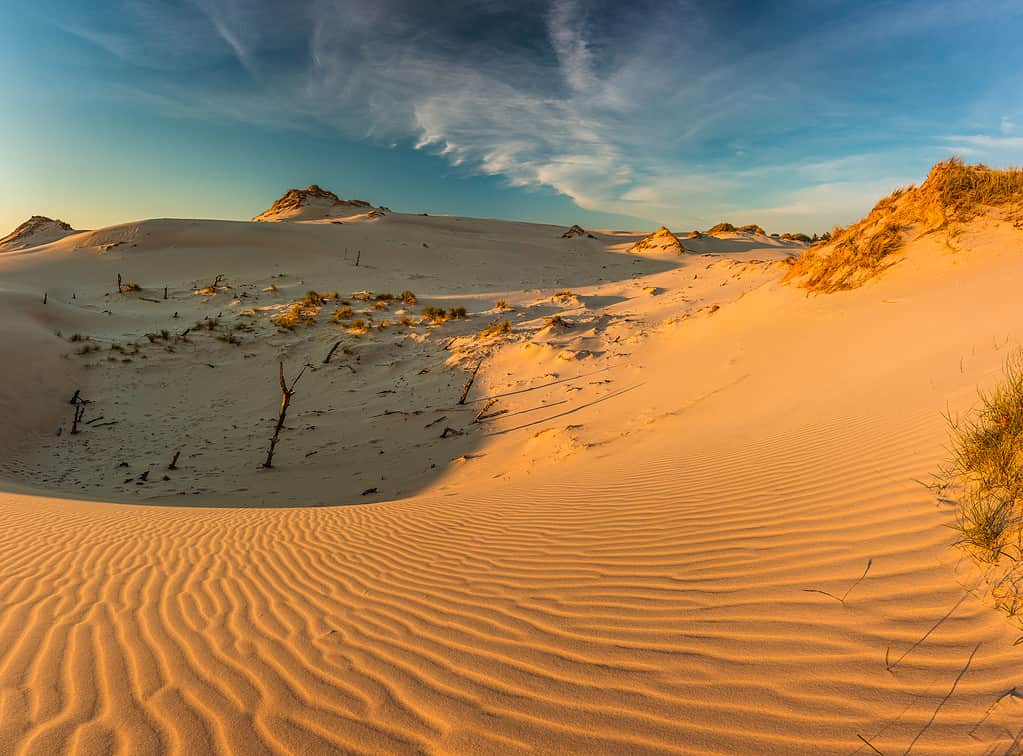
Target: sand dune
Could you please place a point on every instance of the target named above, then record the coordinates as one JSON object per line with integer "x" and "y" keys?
{"x": 632, "y": 554}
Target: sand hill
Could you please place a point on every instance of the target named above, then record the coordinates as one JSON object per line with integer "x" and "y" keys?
{"x": 677, "y": 511}
{"x": 661, "y": 241}
{"x": 314, "y": 203}
{"x": 35, "y": 231}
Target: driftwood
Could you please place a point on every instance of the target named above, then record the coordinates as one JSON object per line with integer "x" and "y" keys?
{"x": 286, "y": 393}
{"x": 358, "y": 257}
{"x": 449, "y": 431}
{"x": 468, "y": 383}
{"x": 46, "y": 295}
{"x": 119, "y": 288}
{"x": 174, "y": 462}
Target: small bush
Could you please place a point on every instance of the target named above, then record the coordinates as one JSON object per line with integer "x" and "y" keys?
{"x": 385, "y": 296}
{"x": 556, "y": 321}
{"x": 563, "y": 294}
{"x": 344, "y": 312}
{"x": 407, "y": 297}
{"x": 457, "y": 313}
{"x": 721, "y": 228}
{"x": 500, "y": 304}
{"x": 381, "y": 304}
{"x": 407, "y": 321}
{"x": 358, "y": 326}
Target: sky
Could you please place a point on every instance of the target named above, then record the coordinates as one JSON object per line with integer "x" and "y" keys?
{"x": 794, "y": 114}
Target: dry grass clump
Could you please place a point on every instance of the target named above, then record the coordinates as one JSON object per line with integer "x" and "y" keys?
{"x": 303, "y": 311}
{"x": 556, "y": 321}
{"x": 438, "y": 315}
{"x": 953, "y": 193}
{"x": 344, "y": 312}
{"x": 130, "y": 287}
{"x": 358, "y": 326}
{"x": 407, "y": 297}
{"x": 500, "y": 304}
{"x": 497, "y": 328}
{"x": 987, "y": 462}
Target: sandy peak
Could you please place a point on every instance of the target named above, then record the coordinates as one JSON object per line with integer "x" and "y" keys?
{"x": 660, "y": 241}
{"x": 577, "y": 230}
{"x": 311, "y": 203}
{"x": 35, "y": 231}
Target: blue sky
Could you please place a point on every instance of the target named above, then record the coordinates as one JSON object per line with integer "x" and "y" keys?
{"x": 793, "y": 114}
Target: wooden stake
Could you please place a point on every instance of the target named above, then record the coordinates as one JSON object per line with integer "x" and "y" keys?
{"x": 480, "y": 415}
{"x": 174, "y": 462}
{"x": 118, "y": 283}
{"x": 79, "y": 414}
{"x": 468, "y": 383}
{"x": 357, "y": 258}
{"x": 286, "y": 393}
{"x": 164, "y": 292}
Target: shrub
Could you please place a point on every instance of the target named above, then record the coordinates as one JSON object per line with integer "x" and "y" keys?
{"x": 380, "y": 304}
{"x": 457, "y": 313}
{"x": 358, "y": 326}
{"x": 407, "y": 297}
{"x": 721, "y": 228}
{"x": 751, "y": 229}
{"x": 407, "y": 321}
{"x": 342, "y": 313}
{"x": 500, "y": 304}
{"x": 987, "y": 463}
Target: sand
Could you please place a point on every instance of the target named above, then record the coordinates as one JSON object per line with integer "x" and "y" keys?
{"x": 630, "y": 553}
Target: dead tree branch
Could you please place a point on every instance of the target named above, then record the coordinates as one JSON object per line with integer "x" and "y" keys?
{"x": 286, "y": 393}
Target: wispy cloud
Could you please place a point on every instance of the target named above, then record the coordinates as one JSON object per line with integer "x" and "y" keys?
{"x": 665, "y": 110}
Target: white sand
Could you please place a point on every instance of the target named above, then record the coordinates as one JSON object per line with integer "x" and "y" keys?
{"x": 618, "y": 562}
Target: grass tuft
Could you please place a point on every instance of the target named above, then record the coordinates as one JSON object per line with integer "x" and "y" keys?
{"x": 987, "y": 462}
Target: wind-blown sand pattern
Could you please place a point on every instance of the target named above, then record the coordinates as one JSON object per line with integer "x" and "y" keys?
{"x": 634, "y": 557}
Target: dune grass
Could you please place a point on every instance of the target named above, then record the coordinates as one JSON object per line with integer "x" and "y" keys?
{"x": 987, "y": 463}
{"x": 953, "y": 193}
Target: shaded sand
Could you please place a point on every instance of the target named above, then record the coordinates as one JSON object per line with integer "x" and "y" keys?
{"x": 623, "y": 560}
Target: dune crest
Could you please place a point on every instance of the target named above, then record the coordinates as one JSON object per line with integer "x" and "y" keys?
{"x": 34, "y": 232}
{"x": 313, "y": 203}
{"x": 662, "y": 241}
